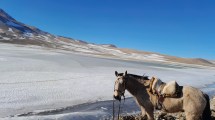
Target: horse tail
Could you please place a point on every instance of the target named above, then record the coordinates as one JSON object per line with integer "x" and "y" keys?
{"x": 206, "y": 115}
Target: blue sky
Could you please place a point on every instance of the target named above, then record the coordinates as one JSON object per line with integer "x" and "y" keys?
{"x": 184, "y": 28}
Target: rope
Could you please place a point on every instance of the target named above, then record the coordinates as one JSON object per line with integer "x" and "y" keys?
{"x": 119, "y": 110}
{"x": 123, "y": 101}
{"x": 113, "y": 109}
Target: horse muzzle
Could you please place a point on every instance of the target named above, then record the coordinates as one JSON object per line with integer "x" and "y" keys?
{"x": 117, "y": 97}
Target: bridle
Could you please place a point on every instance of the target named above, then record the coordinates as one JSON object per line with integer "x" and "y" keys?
{"x": 122, "y": 93}
{"x": 119, "y": 91}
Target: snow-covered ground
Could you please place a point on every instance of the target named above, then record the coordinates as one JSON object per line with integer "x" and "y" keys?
{"x": 36, "y": 80}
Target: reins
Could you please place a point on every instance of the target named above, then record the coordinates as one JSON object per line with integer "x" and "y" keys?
{"x": 119, "y": 109}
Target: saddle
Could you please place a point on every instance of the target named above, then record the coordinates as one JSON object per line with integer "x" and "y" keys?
{"x": 170, "y": 89}
{"x": 163, "y": 90}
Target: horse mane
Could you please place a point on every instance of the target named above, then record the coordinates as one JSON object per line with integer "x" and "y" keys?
{"x": 139, "y": 77}
{"x": 136, "y": 83}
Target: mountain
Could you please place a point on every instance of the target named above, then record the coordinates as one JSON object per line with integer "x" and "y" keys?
{"x": 15, "y": 32}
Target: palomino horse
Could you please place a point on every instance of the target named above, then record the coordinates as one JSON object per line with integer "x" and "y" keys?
{"x": 192, "y": 101}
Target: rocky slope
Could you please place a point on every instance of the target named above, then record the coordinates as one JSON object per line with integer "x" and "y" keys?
{"x": 15, "y": 32}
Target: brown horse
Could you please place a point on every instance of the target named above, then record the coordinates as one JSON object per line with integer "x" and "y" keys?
{"x": 192, "y": 101}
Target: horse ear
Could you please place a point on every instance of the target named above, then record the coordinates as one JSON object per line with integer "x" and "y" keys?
{"x": 125, "y": 72}
{"x": 116, "y": 73}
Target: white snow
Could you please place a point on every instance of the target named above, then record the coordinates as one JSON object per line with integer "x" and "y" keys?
{"x": 78, "y": 48}
{"x": 147, "y": 57}
{"x": 10, "y": 30}
{"x": 34, "y": 79}
{"x": 28, "y": 34}
{"x": 5, "y": 38}
{"x": 44, "y": 37}
{"x": 106, "y": 50}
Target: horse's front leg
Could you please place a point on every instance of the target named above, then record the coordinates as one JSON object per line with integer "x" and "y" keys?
{"x": 143, "y": 111}
{"x": 148, "y": 113}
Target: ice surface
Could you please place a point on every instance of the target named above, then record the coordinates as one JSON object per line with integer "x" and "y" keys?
{"x": 36, "y": 79}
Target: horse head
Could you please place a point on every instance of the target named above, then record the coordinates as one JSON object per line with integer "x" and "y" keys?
{"x": 119, "y": 86}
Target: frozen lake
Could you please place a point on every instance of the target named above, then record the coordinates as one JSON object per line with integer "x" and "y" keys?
{"x": 41, "y": 81}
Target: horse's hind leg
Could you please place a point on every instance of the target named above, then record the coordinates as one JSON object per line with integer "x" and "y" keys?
{"x": 191, "y": 116}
